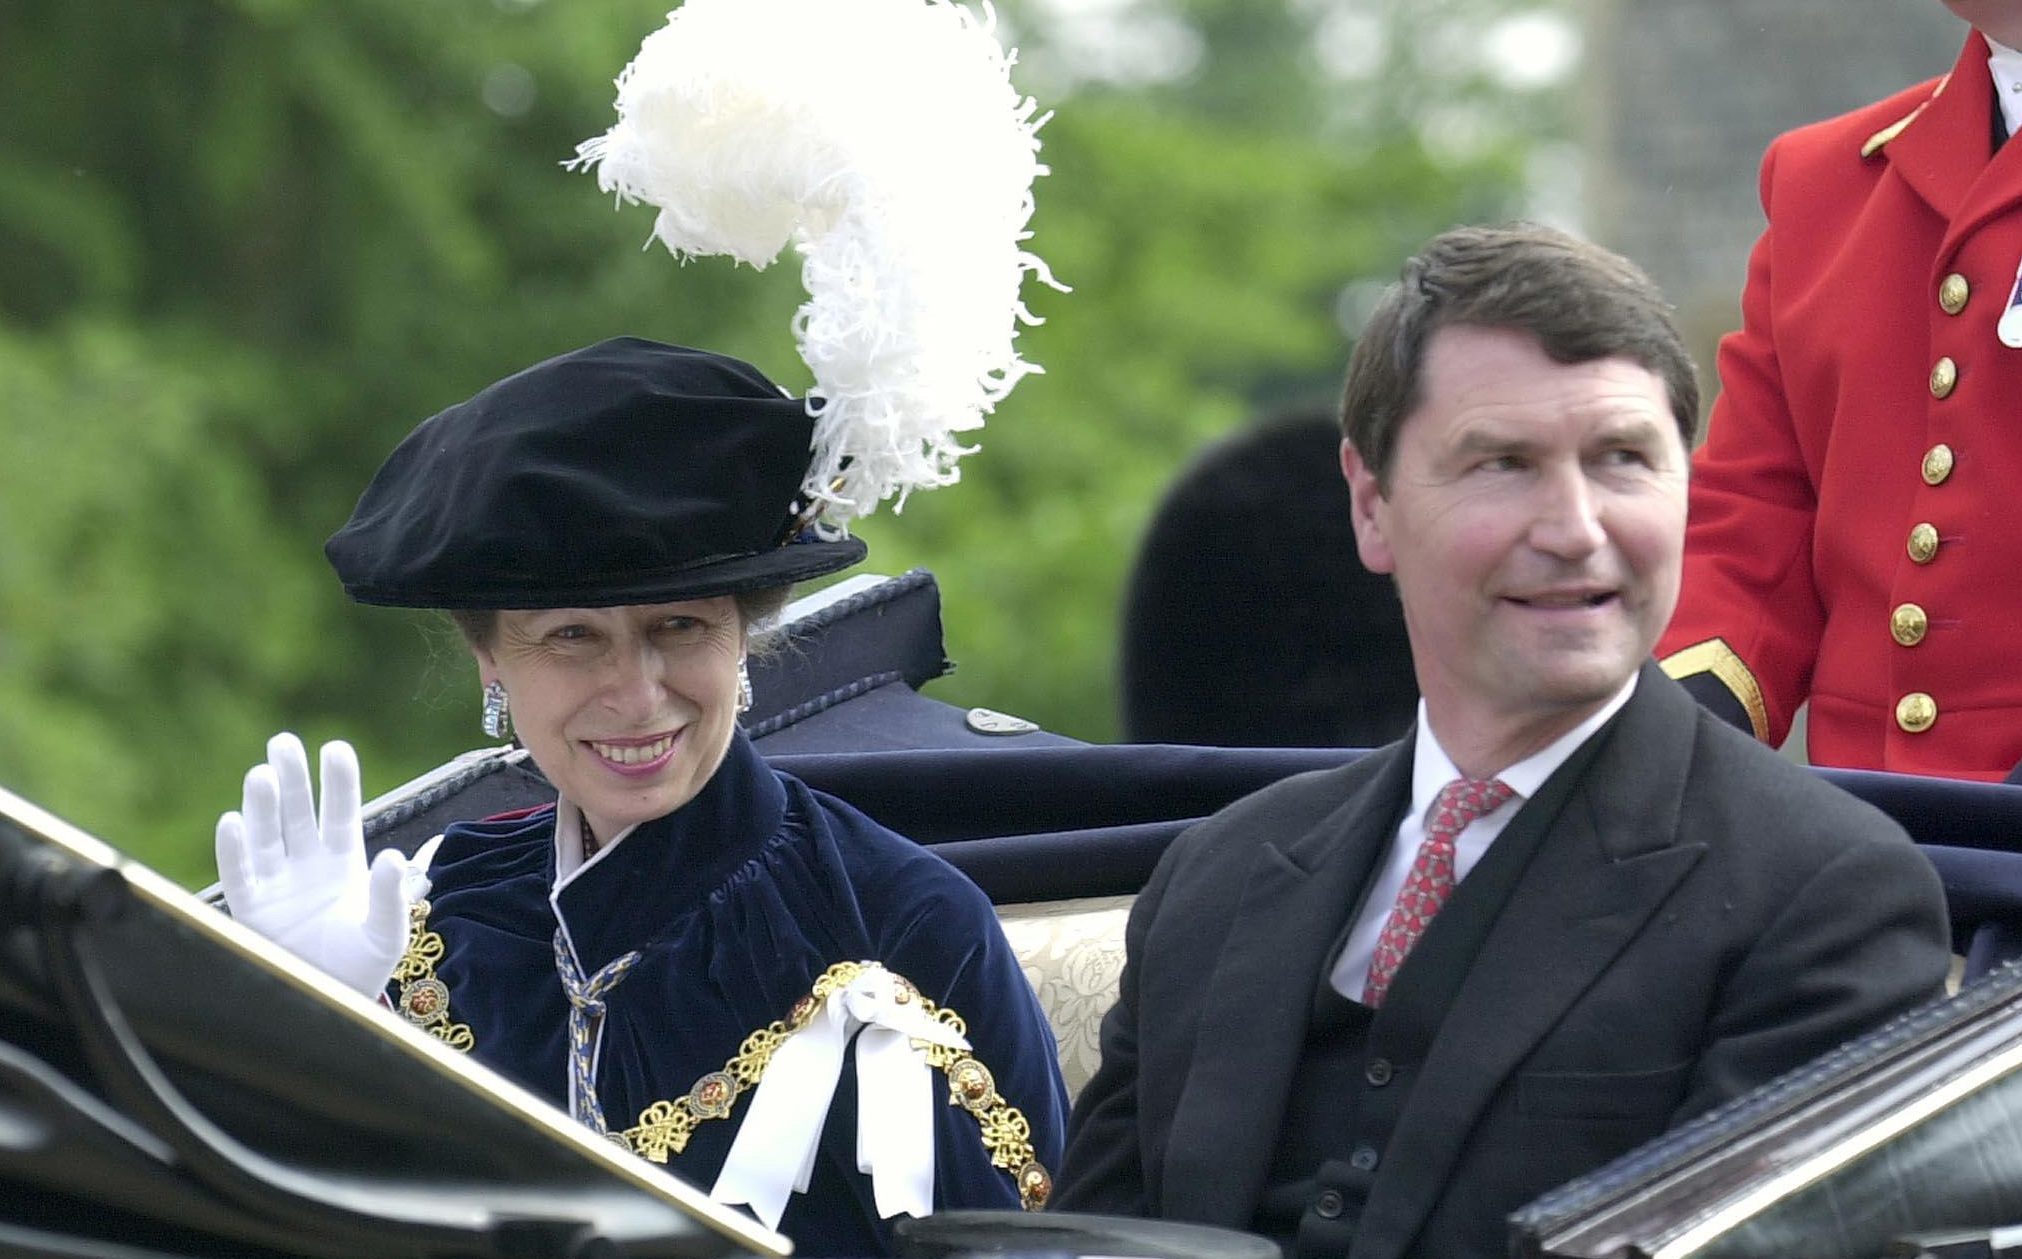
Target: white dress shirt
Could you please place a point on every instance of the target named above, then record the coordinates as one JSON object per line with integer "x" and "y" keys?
{"x": 1432, "y": 769}
{"x": 2005, "y": 64}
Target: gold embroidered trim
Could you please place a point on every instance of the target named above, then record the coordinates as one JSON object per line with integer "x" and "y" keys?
{"x": 1714, "y": 656}
{"x": 1878, "y": 139}
{"x": 424, "y": 999}
{"x": 664, "y": 1127}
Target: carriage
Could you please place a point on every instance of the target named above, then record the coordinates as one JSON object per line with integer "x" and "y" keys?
{"x": 167, "y": 1088}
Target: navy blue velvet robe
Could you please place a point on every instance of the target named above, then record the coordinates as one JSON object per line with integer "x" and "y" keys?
{"x": 737, "y": 902}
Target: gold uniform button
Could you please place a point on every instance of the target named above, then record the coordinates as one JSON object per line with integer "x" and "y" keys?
{"x": 1953, "y": 292}
{"x": 1923, "y": 543}
{"x": 1944, "y": 376}
{"x": 1908, "y": 624}
{"x": 1916, "y": 712}
{"x": 1938, "y": 463}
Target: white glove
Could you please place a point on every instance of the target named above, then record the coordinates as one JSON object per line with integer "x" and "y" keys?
{"x": 304, "y": 884}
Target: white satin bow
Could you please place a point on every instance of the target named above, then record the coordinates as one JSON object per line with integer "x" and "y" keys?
{"x": 774, "y": 1152}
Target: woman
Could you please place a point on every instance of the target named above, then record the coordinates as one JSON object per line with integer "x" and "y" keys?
{"x": 605, "y": 528}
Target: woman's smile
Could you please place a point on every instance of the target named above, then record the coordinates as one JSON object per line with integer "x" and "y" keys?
{"x": 636, "y": 758}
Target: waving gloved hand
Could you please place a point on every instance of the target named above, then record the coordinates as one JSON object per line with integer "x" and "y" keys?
{"x": 302, "y": 881}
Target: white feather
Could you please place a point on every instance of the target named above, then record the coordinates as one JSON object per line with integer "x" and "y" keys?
{"x": 885, "y": 141}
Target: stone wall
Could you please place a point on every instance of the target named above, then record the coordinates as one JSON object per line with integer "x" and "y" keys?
{"x": 1682, "y": 96}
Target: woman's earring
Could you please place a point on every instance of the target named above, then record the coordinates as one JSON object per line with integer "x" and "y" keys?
{"x": 498, "y": 724}
{"x": 743, "y": 688}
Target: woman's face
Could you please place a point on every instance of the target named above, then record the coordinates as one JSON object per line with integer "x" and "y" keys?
{"x": 628, "y": 711}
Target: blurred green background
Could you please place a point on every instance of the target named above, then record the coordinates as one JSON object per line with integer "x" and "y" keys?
{"x": 245, "y": 245}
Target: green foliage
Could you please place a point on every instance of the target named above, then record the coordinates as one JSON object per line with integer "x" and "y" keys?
{"x": 150, "y": 612}
{"x": 246, "y": 244}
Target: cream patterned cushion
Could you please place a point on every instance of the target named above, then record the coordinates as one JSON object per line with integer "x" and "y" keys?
{"x": 1072, "y": 952}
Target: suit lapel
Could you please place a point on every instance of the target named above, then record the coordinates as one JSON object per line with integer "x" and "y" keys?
{"x": 1995, "y": 191}
{"x": 1605, "y": 865}
{"x": 1943, "y": 151}
{"x": 1260, "y": 993}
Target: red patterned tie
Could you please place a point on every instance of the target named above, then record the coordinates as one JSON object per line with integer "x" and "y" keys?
{"x": 1431, "y": 879}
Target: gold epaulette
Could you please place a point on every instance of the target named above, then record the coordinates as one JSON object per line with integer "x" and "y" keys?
{"x": 1714, "y": 656}
{"x": 1875, "y": 142}
{"x": 664, "y": 1127}
{"x": 424, "y": 999}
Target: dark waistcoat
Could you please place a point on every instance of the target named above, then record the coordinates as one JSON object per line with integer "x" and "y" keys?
{"x": 1358, "y": 1065}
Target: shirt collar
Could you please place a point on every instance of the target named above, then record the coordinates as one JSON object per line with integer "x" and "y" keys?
{"x": 2005, "y": 64}
{"x": 569, "y": 843}
{"x": 1432, "y": 768}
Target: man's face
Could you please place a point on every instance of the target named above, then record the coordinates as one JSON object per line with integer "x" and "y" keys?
{"x": 1999, "y": 20}
{"x": 1534, "y": 522}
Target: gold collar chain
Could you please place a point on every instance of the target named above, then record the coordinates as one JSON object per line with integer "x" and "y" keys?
{"x": 664, "y": 1127}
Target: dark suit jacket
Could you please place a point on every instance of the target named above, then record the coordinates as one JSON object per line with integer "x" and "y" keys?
{"x": 1702, "y": 917}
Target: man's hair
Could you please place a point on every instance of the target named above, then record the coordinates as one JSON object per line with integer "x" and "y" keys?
{"x": 1581, "y": 302}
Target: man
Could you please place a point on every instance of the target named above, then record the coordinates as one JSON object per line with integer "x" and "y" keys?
{"x": 1652, "y": 914}
{"x": 1853, "y": 539}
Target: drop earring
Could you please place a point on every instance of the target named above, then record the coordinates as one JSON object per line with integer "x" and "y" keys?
{"x": 498, "y": 723}
{"x": 743, "y": 688}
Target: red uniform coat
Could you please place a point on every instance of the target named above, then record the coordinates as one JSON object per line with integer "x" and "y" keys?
{"x": 1854, "y": 535}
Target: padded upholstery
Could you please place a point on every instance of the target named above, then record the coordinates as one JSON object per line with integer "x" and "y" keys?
{"x": 1072, "y": 952}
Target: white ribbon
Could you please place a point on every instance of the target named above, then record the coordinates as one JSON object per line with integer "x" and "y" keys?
{"x": 774, "y": 1152}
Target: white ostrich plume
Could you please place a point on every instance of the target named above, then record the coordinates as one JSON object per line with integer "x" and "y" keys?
{"x": 884, "y": 140}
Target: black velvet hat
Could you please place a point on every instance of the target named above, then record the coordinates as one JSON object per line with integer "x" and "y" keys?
{"x": 626, "y": 472}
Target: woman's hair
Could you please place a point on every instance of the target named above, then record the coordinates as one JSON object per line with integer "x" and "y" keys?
{"x": 754, "y": 607}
